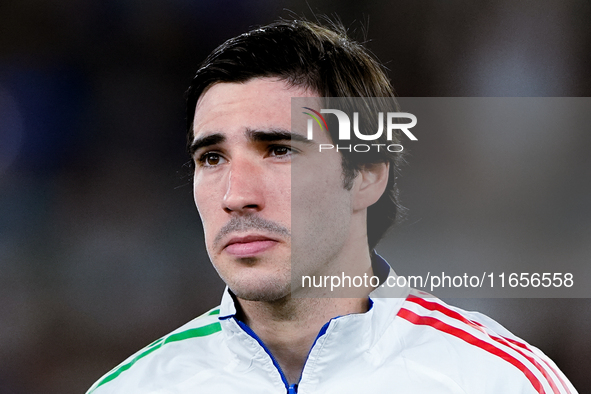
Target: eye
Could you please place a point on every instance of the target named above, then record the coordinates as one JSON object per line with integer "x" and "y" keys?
{"x": 280, "y": 150}
{"x": 211, "y": 159}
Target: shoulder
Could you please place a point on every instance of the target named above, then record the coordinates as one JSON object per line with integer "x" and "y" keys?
{"x": 190, "y": 344}
{"x": 472, "y": 344}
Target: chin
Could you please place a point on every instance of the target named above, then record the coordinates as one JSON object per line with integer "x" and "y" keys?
{"x": 255, "y": 279}
{"x": 260, "y": 288}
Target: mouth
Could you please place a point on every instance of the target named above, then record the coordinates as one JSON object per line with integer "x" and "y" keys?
{"x": 249, "y": 245}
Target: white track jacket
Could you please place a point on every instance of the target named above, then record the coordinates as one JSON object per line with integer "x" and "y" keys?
{"x": 409, "y": 344}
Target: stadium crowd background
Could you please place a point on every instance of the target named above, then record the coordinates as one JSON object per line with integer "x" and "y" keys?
{"x": 101, "y": 249}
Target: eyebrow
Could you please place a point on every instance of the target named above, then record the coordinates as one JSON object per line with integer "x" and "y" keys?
{"x": 252, "y": 134}
{"x": 205, "y": 141}
{"x": 275, "y": 135}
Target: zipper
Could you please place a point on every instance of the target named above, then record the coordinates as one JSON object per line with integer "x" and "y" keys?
{"x": 291, "y": 389}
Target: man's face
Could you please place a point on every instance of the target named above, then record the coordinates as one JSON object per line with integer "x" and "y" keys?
{"x": 246, "y": 155}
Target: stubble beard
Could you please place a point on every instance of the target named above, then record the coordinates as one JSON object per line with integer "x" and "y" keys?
{"x": 250, "y": 278}
{"x": 258, "y": 286}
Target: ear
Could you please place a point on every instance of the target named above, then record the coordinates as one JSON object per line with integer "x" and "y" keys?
{"x": 370, "y": 184}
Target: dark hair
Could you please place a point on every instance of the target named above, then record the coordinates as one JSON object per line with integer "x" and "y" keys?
{"x": 324, "y": 60}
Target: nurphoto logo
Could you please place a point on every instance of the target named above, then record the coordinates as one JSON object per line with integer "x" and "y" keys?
{"x": 345, "y": 129}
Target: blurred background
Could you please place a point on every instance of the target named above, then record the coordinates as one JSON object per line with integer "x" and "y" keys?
{"x": 101, "y": 248}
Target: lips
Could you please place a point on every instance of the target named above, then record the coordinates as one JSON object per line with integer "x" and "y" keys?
{"x": 249, "y": 246}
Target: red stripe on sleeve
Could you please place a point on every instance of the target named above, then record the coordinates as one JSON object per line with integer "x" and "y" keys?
{"x": 557, "y": 373}
{"x": 469, "y": 338}
{"x": 434, "y": 306}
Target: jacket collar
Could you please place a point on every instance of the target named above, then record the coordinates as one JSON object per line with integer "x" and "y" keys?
{"x": 385, "y": 302}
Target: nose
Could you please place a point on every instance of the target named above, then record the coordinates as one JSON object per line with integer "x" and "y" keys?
{"x": 244, "y": 187}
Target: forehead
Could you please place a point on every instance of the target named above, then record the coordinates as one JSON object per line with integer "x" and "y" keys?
{"x": 258, "y": 103}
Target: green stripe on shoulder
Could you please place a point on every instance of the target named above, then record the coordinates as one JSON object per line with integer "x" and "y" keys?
{"x": 194, "y": 333}
{"x": 180, "y": 336}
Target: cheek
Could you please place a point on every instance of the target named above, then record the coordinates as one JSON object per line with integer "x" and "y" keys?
{"x": 206, "y": 191}
{"x": 204, "y": 201}
{"x": 320, "y": 205}
{"x": 198, "y": 199}
{"x": 319, "y": 184}
{"x": 284, "y": 195}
